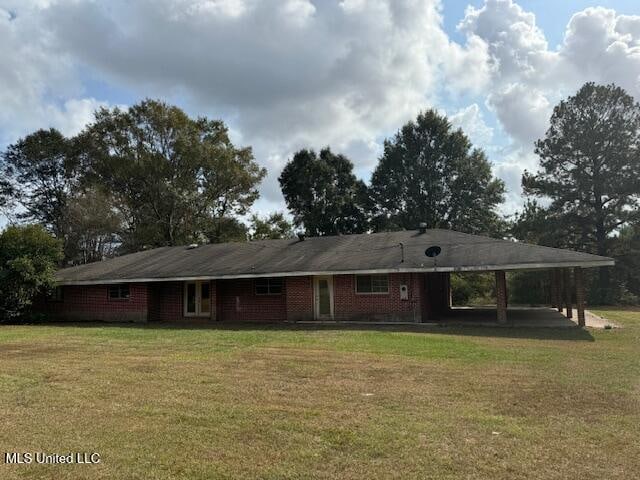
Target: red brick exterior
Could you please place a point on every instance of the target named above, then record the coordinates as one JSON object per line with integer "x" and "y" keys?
{"x": 501, "y": 296}
{"x": 388, "y": 307}
{"x": 299, "y": 298}
{"x": 165, "y": 301}
{"x": 236, "y": 300}
{"x": 580, "y": 299}
{"x": 92, "y": 303}
{"x": 567, "y": 292}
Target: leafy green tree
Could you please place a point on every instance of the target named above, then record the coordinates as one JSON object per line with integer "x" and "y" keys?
{"x": 93, "y": 225}
{"x": 540, "y": 226}
{"x": 6, "y": 196}
{"x": 590, "y": 170}
{"x": 273, "y": 227}
{"x": 626, "y": 250}
{"x": 529, "y": 287}
{"x": 39, "y": 173}
{"x": 28, "y": 259}
{"x": 323, "y": 194}
{"x": 472, "y": 288}
{"x": 174, "y": 180}
{"x": 225, "y": 229}
{"x": 430, "y": 173}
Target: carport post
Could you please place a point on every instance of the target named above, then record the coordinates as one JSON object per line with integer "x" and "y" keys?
{"x": 567, "y": 292}
{"x": 553, "y": 288}
{"x": 501, "y": 296}
{"x": 560, "y": 290}
{"x": 579, "y": 281}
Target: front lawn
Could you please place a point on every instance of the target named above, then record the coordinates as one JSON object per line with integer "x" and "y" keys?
{"x": 287, "y": 402}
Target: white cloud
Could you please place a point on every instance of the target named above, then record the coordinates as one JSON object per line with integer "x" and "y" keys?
{"x": 517, "y": 47}
{"x": 287, "y": 74}
{"x": 528, "y": 78}
{"x": 514, "y": 162}
{"x": 604, "y": 47}
{"x": 39, "y": 86}
{"x": 471, "y": 121}
{"x": 290, "y": 73}
{"x": 73, "y": 116}
{"x": 523, "y": 112}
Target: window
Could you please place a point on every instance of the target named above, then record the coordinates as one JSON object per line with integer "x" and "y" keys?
{"x": 268, "y": 286}
{"x": 372, "y": 283}
{"x": 56, "y": 295}
{"x": 119, "y": 292}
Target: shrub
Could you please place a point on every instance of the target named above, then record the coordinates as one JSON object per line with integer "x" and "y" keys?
{"x": 28, "y": 259}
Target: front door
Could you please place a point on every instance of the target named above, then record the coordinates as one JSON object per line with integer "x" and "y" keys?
{"x": 197, "y": 299}
{"x": 323, "y": 294}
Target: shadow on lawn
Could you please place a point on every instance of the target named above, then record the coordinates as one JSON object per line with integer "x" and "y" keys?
{"x": 542, "y": 333}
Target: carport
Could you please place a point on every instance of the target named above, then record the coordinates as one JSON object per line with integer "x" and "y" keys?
{"x": 458, "y": 252}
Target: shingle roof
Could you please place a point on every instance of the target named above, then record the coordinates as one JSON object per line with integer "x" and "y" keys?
{"x": 365, "y": 253}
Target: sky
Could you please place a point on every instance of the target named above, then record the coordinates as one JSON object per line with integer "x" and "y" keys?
{"x": 291, "y": 74}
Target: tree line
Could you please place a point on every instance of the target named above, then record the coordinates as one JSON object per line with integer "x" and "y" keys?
{"x": 152, "y": 176}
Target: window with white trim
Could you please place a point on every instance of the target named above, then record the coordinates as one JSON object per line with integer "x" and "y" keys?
{"x": 372, "y": 283}
{"x": 268, "y": 286}
{"x": 119, "y": 292}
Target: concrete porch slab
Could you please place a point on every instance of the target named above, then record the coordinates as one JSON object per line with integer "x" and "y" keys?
{"x": 527, "y": 317}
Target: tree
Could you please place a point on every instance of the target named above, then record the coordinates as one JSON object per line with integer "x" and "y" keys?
{"x": 273, "y": 227}
{"x": 430, "y": 173}
{"x": 590, "y": 169}
{"x": 323, "y": 194}
{"x": 92, "y": 224}
{"x": 626, "y": 250}
{"x": 6, "y": 195}
{"x": 28, "y": 258}
{"x": 39, "y": 172}
{"x": 537, "y": 225}
{"x": 175, "y": 180}
{"x": 225, "y": 229}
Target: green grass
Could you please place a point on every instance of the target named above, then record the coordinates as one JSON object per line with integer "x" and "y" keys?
{"x": 287, "y": 402}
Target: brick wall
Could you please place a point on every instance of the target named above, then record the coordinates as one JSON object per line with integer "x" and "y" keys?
{"x": 165, "y": 301}
{"x": 92, "y": 303}
{"x": 349, "y": 305}
{"x": 299, "y": 298}
{"x": 237, "y": 302}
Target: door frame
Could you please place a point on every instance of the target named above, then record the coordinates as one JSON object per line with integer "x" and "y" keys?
{"x": 316, "y": 297}
{"x": 198, "y": 286}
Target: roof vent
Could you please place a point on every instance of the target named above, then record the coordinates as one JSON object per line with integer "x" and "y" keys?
{"x": 192, "y": 246}
{"x": 301, "y": 236}
{"x": 433, "y": 252}
{"x": 422, "y": 227}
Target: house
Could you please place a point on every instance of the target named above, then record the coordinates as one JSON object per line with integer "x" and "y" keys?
{"x": 390, "y": 276}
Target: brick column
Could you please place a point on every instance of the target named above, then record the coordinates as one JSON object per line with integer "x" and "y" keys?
{"x": 501, "y": 296}
{"x": 448, "y": 297}
{"x": 560, "y": 291}
{"x": 567, "y": 292}
{"x": 579, "y": 281}
{"x": 213, "y": 300}
{"x": 555, "y": 291}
